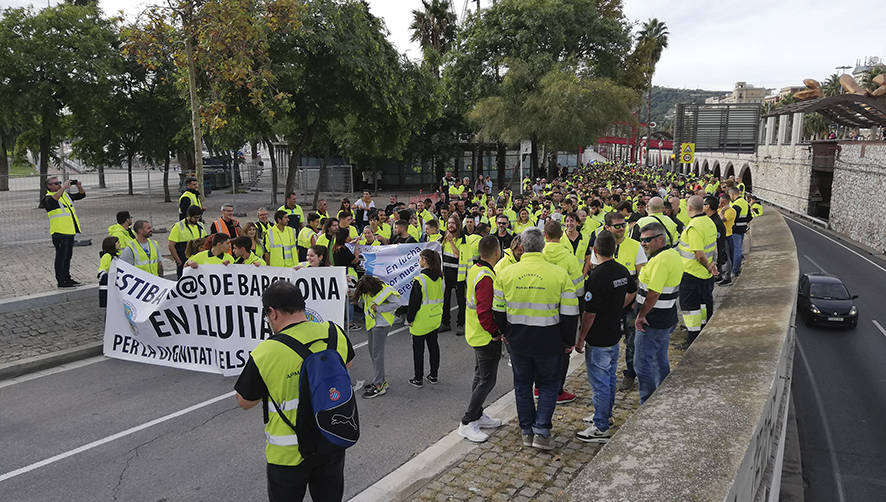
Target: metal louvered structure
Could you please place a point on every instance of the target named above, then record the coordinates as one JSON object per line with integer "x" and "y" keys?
{"x": 846, "y": 109}
{"x": 726, "y": 128}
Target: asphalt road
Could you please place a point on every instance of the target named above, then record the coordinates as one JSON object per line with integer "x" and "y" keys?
{"x": 839, "y": 379}
{"x": 205, "y": 450}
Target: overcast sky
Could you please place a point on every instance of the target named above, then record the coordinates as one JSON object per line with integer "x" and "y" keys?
{"x": 711, "y": 45}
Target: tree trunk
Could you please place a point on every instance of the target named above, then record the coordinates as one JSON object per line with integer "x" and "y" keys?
{"x": 196, "y": 130}
{"x": 479, "y": 169}
{"x": 473, "y": 173}
{"x": 129, "y": 171}
{"x": 166, "y": 197}
{"x": 648, "y": 120}
{"x": 533, "y": 158}
{"x": 45, "y": 140}
{"x": 321, "y": 179}
{"x": 101, "y": 176}
{"x": 501, "y": 152}
{"x": 274, "y": 181}
{"x": 253, "y": 148}
{"x": 292, "y": 172}
{"x": 4, "y": 164}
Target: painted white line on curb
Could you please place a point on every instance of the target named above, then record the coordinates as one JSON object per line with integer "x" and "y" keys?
{"x": 847, "y": 248}
{"x": 879, "y": 326}
{"x": 108, "y": 439}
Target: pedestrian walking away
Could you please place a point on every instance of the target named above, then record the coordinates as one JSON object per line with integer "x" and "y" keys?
{"x": 484, "y": 336}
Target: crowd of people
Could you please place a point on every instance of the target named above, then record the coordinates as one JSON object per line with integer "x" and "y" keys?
{"x": 606, "y": 253}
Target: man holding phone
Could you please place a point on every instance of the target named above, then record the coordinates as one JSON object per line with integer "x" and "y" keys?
{"x": 63, "y": 225}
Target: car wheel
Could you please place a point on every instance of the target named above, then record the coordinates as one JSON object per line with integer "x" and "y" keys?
{"x": 853, "y": 324}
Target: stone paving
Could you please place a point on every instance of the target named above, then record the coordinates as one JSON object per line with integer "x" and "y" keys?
{"x": 502, "y": 469}
{"x": 38, "y": 331}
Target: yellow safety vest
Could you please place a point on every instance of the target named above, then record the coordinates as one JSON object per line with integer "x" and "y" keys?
{"x": 533, "y": 293}
{"x": 63, "y": 219}
{"x": 184, "y": 232}
{"x": 742, "y": 215}
{"x": 461, "y": 262}
{"x": 430, "y": 314}
{"x": 192, "y": 198}
{"x": 143, "y": 261}
{"x": 279, "y": 367}
{"x": 699, "y": 235}
{"x": 666, "y": 221}
{"x": 662, "y": 274}
{"x": 280, "y": 244}
{"x": 475, "y": 334}
{"x": 205, "y": 258}
{"x": 556, "y": 254}
{"x": 304, "y": 237}
{"x": 380, "y": 317}
{"x": 507, "y": 259}
{"x": 250, "y": 260}
{"x": 626, "y": 254}
{"x": 295, "y": 212}
{"x": 122, "y": 235}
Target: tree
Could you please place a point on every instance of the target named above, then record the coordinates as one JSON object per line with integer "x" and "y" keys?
{"x": 66, "y": 55}
{"x": 654, "y": 38}
{"x": 831, "y": 86}
{"x": 434, "y": 28}
{"x": 537, "y": 35}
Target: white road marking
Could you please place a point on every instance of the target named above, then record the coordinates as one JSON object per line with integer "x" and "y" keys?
{"x": 879, "y": 326}
{"x": 816, "y": 264}
{"x": 53, "y": 371}
{"x": 838, "y": 478}
{"x": 113, "y": 437}
{"x": 847, "y": 248}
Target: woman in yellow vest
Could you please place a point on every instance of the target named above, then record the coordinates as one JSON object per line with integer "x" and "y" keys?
{"x": 110, "y": 250}
{"x": 379, "y": 303}
{"x": 424, "y": 315}
{"x": 523, "y": 221}
{"x": 251, "y": 231}
{"x": 368, "y": 238}
{"x": 345, "y": 209}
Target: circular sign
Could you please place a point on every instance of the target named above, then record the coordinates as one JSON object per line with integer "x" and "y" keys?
{"x": 652, "y": 125}
{"x": 686, "y": 158}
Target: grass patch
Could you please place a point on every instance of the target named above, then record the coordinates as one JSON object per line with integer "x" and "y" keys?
{"x": 21, "y": 169}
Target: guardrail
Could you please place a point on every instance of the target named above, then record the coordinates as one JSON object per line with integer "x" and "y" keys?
{"x": 715, "y": 429}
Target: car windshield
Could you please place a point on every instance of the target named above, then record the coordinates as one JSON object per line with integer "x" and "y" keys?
{"x": 828, "y": 291}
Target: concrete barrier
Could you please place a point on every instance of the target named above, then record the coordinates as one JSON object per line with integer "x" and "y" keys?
{"x": 715, "y": 429}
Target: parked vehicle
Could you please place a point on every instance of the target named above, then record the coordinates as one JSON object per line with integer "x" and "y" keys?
{"x": 824, "y": 299}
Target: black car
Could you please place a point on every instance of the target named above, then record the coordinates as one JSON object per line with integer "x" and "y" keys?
{"x": 824, "y": 299}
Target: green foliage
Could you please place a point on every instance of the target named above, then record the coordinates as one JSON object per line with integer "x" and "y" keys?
{"x": 665, "y": 98}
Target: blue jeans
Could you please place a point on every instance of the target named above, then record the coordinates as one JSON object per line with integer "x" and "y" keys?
{"x": 651, "y": 359}
{"x": 602, "y": 364}
{"x": 627, "y": 324}
{"x": 737, "y": 241}
{"x": 544, "y": 371}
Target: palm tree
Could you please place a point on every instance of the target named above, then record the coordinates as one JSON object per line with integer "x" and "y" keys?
{"x": 434, "y": 26}
{"x": 654, "y": 35}
{"x": 831, "y": 86}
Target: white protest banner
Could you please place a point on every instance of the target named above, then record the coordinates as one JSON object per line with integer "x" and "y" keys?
{"x": 396, "y": 264}
{"x": 211, "y": 318}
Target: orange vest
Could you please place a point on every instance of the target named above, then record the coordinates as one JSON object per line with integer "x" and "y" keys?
{"x": 221, "y": 227}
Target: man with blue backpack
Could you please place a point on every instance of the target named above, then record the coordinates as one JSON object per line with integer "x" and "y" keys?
{"x": 310, "y": 411}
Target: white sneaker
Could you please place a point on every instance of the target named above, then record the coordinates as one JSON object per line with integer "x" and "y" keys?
{"x": 472, "y": 432}
{"x": 487, "y": 422}
{"x": 594, "y": 435}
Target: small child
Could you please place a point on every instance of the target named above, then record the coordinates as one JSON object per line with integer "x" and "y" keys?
{"x": 379, "y": 302}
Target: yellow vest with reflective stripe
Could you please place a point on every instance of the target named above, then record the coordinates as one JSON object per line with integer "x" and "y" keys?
{"x": 122, "y": 235}
{"x": 192, "y": 197}
{"x": 475, "y": 334}
{"x": 280, "y": 245}
{"x": 61, "y": 220}
{"x": 556, "y": 254}
{"x": 668, "y": 264}
{"x": 430, "y": 314}
{"x": 507, "y": 259}
{"x": 378, "y": 317}
{"x": 534, "y": 292}
{"x": 304, "y": 237}
{"x": 279, "y": 368}
{"x": 141, "y": 260}
{"x": 742, "y": 215}
{"x": 626, "y": 254}
{"x": 464, "y": 259}
{"x": 183, "y": 231}
{"x": 708, "y": 231}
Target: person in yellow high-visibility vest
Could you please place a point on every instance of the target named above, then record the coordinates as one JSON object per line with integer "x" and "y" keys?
{"x": 379, "y": 303}
{"x": 424, "y": 315}
{"x": 63, "y": 225}
{"x": 272, "y": 373}
{"x": 698, "y": 249}
{"x": 484, "y": 336}
{"x": 143, "y": 252}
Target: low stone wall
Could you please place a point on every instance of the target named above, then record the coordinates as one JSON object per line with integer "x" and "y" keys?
{"x": 859, "y": 178}
{"x": 714, "y": 430}
{"x": 782, "y": 174}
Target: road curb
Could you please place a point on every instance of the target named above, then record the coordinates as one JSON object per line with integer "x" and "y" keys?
{"x": 37, "y": 300}
{"x": 45, "y": 361}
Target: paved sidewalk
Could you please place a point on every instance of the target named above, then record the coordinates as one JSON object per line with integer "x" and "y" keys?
{"x": 501, "y": 469}
{"x": 53, "y": 328}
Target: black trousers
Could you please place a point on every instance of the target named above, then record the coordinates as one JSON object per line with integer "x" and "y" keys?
{"x": 450, "y": 283}
{"x": 564, "y": 370}
{"x": 485, "y": 374}
{"x": 180, "y": 248}
{"x": 323, "y": 475}
{"x": 64, "y": 249}
{"x": 418, "y": 354}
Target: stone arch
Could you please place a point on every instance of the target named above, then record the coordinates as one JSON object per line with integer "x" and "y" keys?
{"x": 704, "y": 167}
{"x": 716, "y": 170}
{"x": 730, "y": 170}
{"x": 744, "y": 176}
{"x": 696, "y": 167}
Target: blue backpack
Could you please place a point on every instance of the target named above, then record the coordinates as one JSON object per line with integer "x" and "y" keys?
{"x": 327, "y": 419}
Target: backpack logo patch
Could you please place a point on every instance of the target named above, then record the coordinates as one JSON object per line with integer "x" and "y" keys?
{"x": 334, "y": 394}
